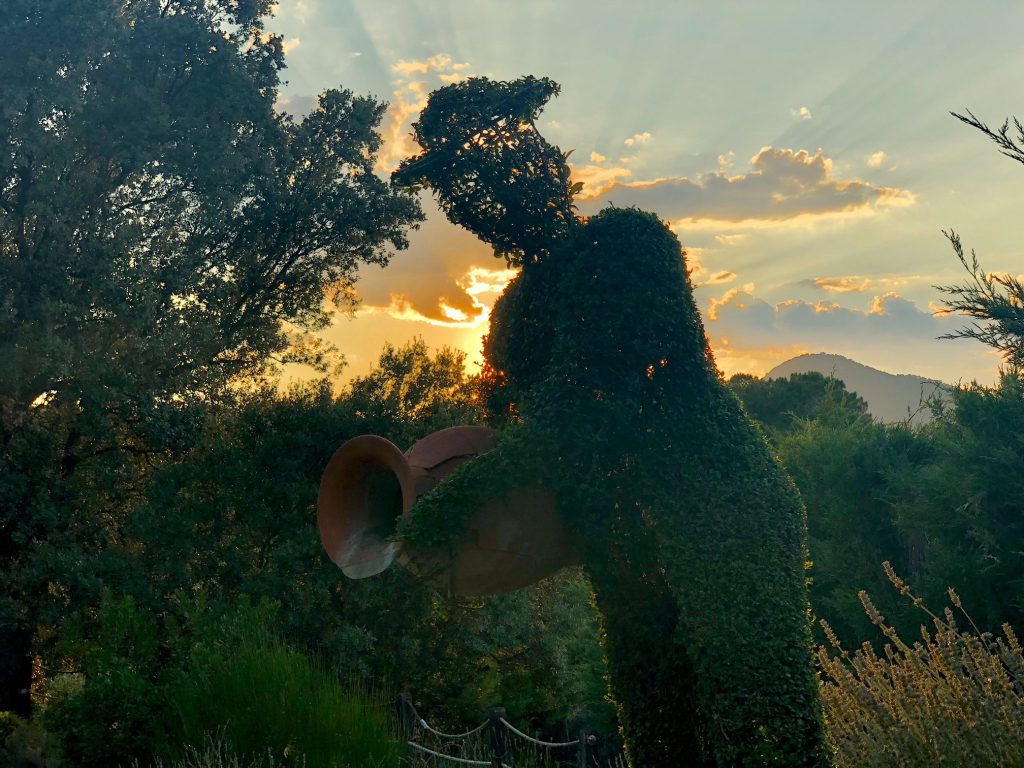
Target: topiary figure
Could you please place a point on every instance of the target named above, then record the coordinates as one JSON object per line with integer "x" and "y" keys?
{"x": 599, "y": 368}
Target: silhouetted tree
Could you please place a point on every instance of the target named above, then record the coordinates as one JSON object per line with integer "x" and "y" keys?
{"x": 163, "y": 231}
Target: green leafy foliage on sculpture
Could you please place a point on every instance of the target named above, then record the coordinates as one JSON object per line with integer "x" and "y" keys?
{"x": 493, "y": 172}
{"x": 599, "y": 369}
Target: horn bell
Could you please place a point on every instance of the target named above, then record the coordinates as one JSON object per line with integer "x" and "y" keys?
{"x": 507, "y": 544}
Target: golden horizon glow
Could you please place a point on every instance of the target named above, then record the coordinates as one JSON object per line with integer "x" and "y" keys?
{"x": 824, "y": 186}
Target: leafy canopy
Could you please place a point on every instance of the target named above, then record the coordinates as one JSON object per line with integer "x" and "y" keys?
{"x": 489, "y": 167}
{"x": 164, "y": 232}
{"x": 162, "y": 226}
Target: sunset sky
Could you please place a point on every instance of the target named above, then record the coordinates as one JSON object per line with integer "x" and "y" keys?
{"x": 803, "y": 153}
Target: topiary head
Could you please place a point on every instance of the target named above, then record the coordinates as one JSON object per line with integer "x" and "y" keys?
{"x": 489, "y": 167}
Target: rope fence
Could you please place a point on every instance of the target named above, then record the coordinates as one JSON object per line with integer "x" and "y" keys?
{"x": 463, "y": 760}
{"x": 426, "y": 727}
{"x": 538, "y": 742}
{"x": 499, "y": 729}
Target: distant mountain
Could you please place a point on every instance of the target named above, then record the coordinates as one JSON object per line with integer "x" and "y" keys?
{"x": 890, "y": 397}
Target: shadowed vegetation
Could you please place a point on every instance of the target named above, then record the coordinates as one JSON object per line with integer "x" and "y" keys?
{"x": 167, "y": 242}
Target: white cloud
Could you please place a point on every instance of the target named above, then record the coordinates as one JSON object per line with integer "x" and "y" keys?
{"x": 597, "y": 157}
{"x": 638, "y": 138}
{"x": 802, "y": 112}
{"x": 876, "y": 159}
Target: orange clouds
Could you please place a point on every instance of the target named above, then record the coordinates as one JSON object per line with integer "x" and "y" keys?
{"x": 718, "y": 278}
{"x": 412, "y": 87}
{"x": 735, "y": 297}
{"x": 480, "y": 287}
{"x": 782, "y": 186}
{"x": 597, "y": 179}
{"x": 860, "y": 284}
{"x": 701, "y": 275}
{"x": 466, "y": 304}
{"x": 445, "y": 285}
{"x": 447, "y": 278}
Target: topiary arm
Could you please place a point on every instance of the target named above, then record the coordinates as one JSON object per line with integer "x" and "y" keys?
{"x": 440, "y": 515}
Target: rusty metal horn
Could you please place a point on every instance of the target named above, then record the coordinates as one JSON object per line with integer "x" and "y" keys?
{"x": 369, "y": 483}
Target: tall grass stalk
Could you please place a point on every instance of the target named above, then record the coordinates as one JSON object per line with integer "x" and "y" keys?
{"x": 952, "y": 698}
{"x": 214, "y": 753}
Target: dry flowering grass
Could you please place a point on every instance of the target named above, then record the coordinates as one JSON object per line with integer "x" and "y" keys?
{"x": 953, "y": 698}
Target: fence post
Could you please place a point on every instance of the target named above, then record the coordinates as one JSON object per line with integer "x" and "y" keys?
{"x": 499, "y": 737}
{"x": 406, "y": 719}
{"x": 581, "y": 753}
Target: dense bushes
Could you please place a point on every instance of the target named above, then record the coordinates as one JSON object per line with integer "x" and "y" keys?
{"x": 265, "y": 698}
{"x": 942, "y": 501}
{"x": 153, "y": 688}
{"x": 232, "y": 521}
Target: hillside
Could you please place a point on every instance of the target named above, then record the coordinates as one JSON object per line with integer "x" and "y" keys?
{"x": 890, "y": 397}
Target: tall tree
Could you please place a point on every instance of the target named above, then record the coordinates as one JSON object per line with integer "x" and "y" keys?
{"x": 164, "y": 230}
{"x": 410, "y": 394}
